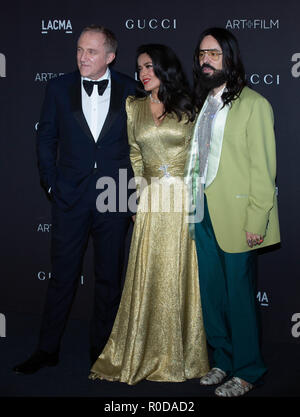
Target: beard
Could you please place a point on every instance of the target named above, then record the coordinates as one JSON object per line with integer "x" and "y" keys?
{"x": 210, "y": 81}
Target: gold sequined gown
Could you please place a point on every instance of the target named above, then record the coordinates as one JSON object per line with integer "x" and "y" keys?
{"x": 158, "y": 333}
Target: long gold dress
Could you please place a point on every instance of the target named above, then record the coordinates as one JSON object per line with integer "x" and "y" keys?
{"x": 158, "y": 333}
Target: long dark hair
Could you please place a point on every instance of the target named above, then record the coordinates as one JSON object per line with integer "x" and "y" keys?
{"x": 174, "y": 91}
{"x": 232, "y": 66}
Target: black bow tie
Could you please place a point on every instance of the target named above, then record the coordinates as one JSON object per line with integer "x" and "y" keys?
{"x": 89, "y": 85}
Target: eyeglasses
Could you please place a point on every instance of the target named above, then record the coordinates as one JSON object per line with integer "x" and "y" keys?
{"x": 212, "y": 54}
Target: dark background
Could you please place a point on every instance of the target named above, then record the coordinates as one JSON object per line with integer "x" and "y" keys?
{"x": 268, "y": 33}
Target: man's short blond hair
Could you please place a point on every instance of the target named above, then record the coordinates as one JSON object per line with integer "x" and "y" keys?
{"x": 111, "y": 42}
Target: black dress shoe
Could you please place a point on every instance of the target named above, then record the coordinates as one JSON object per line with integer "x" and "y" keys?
{"x": 38, "y": 360}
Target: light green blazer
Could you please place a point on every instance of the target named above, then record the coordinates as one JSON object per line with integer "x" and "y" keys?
{"x": 240, "y": 182}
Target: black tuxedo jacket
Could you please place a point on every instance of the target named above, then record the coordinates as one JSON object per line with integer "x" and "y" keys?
{"x": 66, "y": 149}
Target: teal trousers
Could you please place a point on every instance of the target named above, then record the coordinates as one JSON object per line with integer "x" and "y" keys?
{"x": 227, "y": 285}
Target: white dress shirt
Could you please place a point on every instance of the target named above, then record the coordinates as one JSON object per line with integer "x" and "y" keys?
{"x": 217, "y": 97}
{"x": 95, "y": 107}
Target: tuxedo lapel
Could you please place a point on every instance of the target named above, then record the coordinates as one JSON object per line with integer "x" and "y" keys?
{"x": 76, "y": 107}
{"x": 114, "y": 107}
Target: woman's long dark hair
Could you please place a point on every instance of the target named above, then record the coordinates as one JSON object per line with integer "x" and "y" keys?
{"x": 232, "y": 66}
{"x": 174, "y": 91}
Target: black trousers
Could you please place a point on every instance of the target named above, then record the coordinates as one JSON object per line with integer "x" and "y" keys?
{"x": 70, "y": 233}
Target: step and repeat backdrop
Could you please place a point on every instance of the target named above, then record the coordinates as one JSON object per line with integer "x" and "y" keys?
{"x": 38, "y": 42}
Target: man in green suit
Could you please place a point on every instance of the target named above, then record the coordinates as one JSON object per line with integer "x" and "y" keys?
{"x": 231, "y": 170}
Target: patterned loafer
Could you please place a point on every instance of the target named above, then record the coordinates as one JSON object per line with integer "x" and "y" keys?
{"x": 213, "y": 377}
{"x": 233, "y": 388}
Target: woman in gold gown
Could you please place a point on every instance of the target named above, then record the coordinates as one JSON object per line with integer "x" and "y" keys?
{"x": 158, "y": 333}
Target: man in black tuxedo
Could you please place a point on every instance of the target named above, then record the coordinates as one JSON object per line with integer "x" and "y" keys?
{"x": 82, "y": 137}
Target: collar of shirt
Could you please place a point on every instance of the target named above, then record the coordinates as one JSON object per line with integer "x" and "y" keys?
{"x": 106, "y": 76}
{"x": 218, "y": 96}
